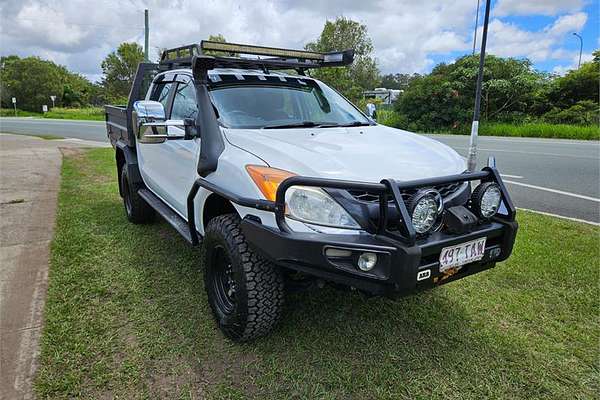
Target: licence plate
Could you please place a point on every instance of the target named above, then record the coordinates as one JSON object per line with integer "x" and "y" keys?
{"x": 461, "y": 254}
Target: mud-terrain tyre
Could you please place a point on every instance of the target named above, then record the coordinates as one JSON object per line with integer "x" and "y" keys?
{"x": 136, "y": 208}
{"x": 245, "y": 292}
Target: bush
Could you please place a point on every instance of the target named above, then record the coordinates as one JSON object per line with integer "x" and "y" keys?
{"x": 391, "y": 118}
{"x": 584, "y": 112}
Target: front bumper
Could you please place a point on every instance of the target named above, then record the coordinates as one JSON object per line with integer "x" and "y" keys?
{"x": 406, "y": 261}
{"x": 398, "y": 263}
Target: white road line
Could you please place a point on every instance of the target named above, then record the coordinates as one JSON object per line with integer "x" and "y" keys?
{"x": 579, "y": 196}
{"x": 585, "y": 221}
{"x": 523, "y": 140}
{"x": 511, "y": 176}
{"x": 531, "y": 153}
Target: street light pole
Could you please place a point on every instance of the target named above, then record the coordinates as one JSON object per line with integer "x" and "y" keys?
{"x": 472, "y": 156}
{"x": 146, "y": 35}
{"x": 580, "y": 48}
{"x": 475, "y": 31}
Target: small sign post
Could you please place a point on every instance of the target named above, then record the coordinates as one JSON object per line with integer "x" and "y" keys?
{"x": 52, "y": 98}
{"x": 14, "y": 101}
{"x": 45, "y": 108}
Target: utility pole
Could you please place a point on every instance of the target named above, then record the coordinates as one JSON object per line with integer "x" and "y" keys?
{"x": 472, "y": 156}
{"x": 475, "y": 31}
{"x": 146, "y": 35}
{"x": 580, "y": 48}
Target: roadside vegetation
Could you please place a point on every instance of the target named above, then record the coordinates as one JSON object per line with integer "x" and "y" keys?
{"x": 87, "y": 113}
{"x": 516, "y": 100}
{"x": 539, "y": 129}
{"x": 127, "y": 317}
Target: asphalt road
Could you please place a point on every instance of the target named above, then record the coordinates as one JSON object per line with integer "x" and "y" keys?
{"x": 560, "y": 177}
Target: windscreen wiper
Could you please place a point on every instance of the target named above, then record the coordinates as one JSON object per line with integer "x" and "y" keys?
{"x": 356, "y": 123}
{"x": 303, "y": 124}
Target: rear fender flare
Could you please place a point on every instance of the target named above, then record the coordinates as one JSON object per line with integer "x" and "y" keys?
{"x": 129, "y": 161}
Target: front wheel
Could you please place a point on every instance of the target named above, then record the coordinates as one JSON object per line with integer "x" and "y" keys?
{"x": 245, "y": 292}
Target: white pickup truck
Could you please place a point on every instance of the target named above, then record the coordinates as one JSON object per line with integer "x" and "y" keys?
{"x": 287, "y": 185}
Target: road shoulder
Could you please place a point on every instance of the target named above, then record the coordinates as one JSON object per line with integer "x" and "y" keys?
{"x": 29, "y": 184}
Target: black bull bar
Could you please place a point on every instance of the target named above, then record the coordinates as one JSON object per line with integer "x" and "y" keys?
{"x": 386, "y": 189}
{"x": 404, "y": 255}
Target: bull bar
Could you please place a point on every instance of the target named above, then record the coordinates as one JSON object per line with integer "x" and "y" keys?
{"x": 402, "y": 253}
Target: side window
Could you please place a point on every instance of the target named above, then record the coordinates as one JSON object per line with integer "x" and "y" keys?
{"x": 184, "y": 104}
{"x": 160, "y": 93}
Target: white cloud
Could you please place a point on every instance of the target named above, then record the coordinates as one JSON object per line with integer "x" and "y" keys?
{"x": 536, "y": 7}
{"x": 509, "y": 40}
{"x": 567, "y": 24}
{"x": 563, "y": 69}
{"x": 406, "y": 34}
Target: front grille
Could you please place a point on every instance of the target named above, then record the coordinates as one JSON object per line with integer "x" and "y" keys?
{"x": 368, "y": 197}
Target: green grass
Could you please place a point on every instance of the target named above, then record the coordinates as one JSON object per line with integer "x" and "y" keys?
{"x": 538, "y": 130}
{"x": 10, "y": 112}
{"x": 44, "y": 136}
{"x": 87, "y": 113}
{"x": 48, "y": 137}
{"x": 127, "y": 317}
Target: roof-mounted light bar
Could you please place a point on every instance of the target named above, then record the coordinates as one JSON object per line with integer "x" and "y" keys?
{"x": 180, "y": 53}
{"x": 277, "y": 58}
{"x": 260, "y": 50}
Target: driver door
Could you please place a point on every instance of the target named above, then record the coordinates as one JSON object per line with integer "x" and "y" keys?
{"x": 169, "y": 167}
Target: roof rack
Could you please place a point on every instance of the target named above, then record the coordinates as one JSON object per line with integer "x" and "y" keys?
{"x": 278, "y": 58}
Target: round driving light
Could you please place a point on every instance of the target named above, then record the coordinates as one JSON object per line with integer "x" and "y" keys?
{"x": 486, "y": 199}
{"x": 425, "y": 207}
{"x": 366, "y": 261}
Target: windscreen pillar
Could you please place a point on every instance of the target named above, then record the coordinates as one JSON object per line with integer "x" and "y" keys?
{"x": 206, "y": 120}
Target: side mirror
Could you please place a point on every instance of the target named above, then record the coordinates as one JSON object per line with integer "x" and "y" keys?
{"x": 149, "y": 111}
{"x": 151, "y": 126}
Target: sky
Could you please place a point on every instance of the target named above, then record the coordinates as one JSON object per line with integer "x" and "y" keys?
{"x": 408, "y": 35}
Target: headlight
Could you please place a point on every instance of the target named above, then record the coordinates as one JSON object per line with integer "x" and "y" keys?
{"x": 486, "y": 199}
{"x": 314, "y": 206}
{"x": 425, "y": 208}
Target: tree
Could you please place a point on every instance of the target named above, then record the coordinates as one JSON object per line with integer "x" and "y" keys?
{"x": 577, "y": 85}
{"x": 119, "y": 69}
{"x": 343, "y": 34}
{"x": 33, "y": 80}
{"x": 445, "y": 97}
{"x": 397, "y": 81}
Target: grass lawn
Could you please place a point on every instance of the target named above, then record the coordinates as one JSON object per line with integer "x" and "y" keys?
{"x": 87, "y": 113}
{"x": 127, "y": 317}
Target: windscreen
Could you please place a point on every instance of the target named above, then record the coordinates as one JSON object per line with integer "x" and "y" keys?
{"x": 283, "y": 105}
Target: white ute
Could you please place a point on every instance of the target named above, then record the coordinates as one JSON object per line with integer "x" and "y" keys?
{"x": 288, "y": 185}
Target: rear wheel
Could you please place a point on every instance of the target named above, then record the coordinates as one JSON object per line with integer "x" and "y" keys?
{"x": 136, "y": 208}
{"x": 245, "y": 292}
